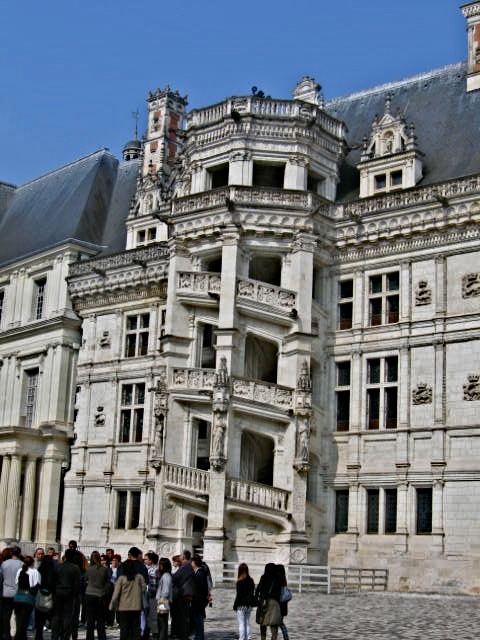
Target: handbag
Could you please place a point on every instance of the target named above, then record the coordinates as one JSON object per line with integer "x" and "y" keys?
{"x": 163, "y": 606}
{"x": 285, "y": 594}
{"x": 44, "y": 600}
{"x": 24, "y": 596}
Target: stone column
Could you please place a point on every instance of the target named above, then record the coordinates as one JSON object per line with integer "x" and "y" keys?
{"x": 404, "y": 386}
{"x": 296, "y": 173}
{"x": 13, "y": 501}
{"x": 439, "y": 384}
{"x": 28, "y": 498}
{"x": 47, "y": 512}
{"x": 240, "y": 168}
{"x": 353, "y": 508}
{"x": 4, "y": 493}
{"x": 402, "y": 526}
{"x": 437, "y": 517}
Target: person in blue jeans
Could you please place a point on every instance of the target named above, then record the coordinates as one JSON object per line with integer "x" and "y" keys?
{"x": 244, "y": 600}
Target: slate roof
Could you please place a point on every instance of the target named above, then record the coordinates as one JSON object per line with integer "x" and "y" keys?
{"x": 71, "y": 203}
{"x": 446, "y": 119}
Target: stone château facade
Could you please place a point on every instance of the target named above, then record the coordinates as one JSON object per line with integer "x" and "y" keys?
{"x": 258, "y": 335}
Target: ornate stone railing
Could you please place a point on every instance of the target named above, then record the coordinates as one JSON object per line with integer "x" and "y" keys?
{"x": 187, "y": 478}
{"x": 266, "y": 107}
{"x": 265, "y": 392}
{"x": 256, "y": 494}
{"x": 268, "y": 294}
{"x": 124, "y": 259}
{"x": 193, "y": 378}
{"x": 300, "y": 201}
{"x": 198, "y": 282}
{"x": 401, "y": 199}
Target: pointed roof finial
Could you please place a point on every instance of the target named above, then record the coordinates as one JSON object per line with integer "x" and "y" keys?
{"x": 388, "y": 102}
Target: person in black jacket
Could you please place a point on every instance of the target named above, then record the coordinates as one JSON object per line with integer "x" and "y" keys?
{"x": 183, "y": 592}
{"x": 67, "y": 591}
{"x": 244, "y": 600}
{"x": 46, "y": 569}
{"x": 200, "y": 598}
{"x": 267, "y": 594}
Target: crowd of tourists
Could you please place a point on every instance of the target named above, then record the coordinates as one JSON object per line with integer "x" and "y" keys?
{"x": 143, "y": 595}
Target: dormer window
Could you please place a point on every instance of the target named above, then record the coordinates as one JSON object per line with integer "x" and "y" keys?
{"x": 390, "y": 159}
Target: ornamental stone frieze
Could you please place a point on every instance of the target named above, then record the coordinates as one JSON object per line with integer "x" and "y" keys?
{"x": 423, "y": 294}
{"x": 471, "y": 389}
{"x": 220, "y": 407}
{"x": 471, "y": 10}
{"x": 270, "y": 295}
{"x": 471, "y": 285}
{"x": 198, "y": 282}
{"x": 195, "y": 379}
{"x": 263, "y": 392}
{"x": 422, "y": 394}
{"x": 126, "y": 258}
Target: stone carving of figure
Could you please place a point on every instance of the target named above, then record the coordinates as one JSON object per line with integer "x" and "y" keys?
{"x": 104, "y": 341}
{"x": 423, "y": 293}
{"x": 422, "y": 394}
{"x": 218, "y": 442}
{"x": 303, "y": 439}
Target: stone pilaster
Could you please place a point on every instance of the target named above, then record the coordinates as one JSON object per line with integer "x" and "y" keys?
{"x": 28, "y": 498}
{"x": 13, "y": 501}
{"x": 4, "y": 480}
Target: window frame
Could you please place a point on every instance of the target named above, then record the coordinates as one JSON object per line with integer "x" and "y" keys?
{"x": 140, "y": 347}
{"x": 341, "y": 510}
{"x": 383, "y": 299}
{"x": 135, "y": 410}
{"x": 39, "y": 297}
{"x": 344, "y": 302}
{"x": 341, "y": 390}
{"x": 422, "y": 493}
{"x": 128, "y": 508}
{"x": 379, "y": 391}
{"x": 29, "y": 406}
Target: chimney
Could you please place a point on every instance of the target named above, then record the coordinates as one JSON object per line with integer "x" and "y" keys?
{"x": 471, "y": 11}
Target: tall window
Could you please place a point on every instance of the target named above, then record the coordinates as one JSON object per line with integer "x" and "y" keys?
{"x": 345, "y": 304}
{"x": 341, "y": 510}
{"x": 384, "y": 300}
{"x": 40, "y": 286}
{"x": 390, "y": 510}
{"x": 373, "y": 502}
{"x": 131, "y": 412}
{"x": 31, "y": 390}
{"x": 343, "y": 395}
{"x": 2, "y": 298}
{"x": 424, "y": 510}
{"x": 136, "y": 335}
{"x": 382, "y": 392}
{"x": 128, "y": 509}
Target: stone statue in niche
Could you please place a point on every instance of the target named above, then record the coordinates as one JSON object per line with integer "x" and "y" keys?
{"x": 160, "y": 410}
{"x": 218, "y": 442}
{"x": 471, "y": 389}
{"x": 423, "y": 294}
{"x": 422, "y": 394}
{"x": 99, "y": 417}
{"x": 471, "y": 285}
{"x": 303, "y": 439}
{"x": 104, "y": 341}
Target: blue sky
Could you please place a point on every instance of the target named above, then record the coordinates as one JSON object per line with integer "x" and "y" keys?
{"x": 74, "y": 70}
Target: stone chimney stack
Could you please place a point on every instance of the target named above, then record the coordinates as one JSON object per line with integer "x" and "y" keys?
{"x": 471, "y": 11}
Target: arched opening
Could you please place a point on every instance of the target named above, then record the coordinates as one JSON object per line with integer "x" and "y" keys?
{"x": 256, "y": 458}
{"x": 266, "y": 269}
{"x": 213, "y": 264}
{"x": 198, "y": 529}
{"x": 261, "y": 359}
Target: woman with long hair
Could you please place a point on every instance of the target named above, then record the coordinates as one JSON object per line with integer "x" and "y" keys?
{"x": 97, "y": 577}
{"x": 164, "y": 596}
{"x": 28, "y": 580}
{"x": 127, "y": 599}
{"x": 268, "y": 598}
{"x": 244, "y": 600}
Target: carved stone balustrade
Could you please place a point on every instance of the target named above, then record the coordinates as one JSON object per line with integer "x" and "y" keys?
{"x": 265, "y": 392}
{"x": 267, "y": 294}
{"x": 200, "y": 282}
{"x": 187, "y": 478}
{"x": 124, "y": 259}
{"x": 412, "y": 197}
{"x": 257, "y": 494}
{"x": 193, "y": 378}
{"x": 266, "y": 108}
{"x": 300, "y": 201}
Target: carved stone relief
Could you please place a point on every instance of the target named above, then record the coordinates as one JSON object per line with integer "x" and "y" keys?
{"x": 471, "y": 285}
{"x": 471, "y": 389}
{"x": 99, "y": 417}
{"x": 104, "y": 341}
{"x": 423, "y": 294}
{"x": 422, "y": 394}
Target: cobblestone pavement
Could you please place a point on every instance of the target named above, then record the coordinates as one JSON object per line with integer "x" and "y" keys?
{"x": 363, "y": 616}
